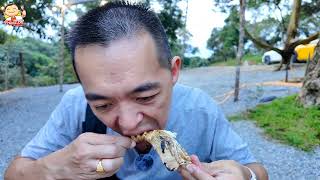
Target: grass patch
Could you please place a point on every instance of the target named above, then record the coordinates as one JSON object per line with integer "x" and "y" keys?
{"x": 252, "y": 59}
{"x": 237, "y": 117}
{"x": 286, "y": 120}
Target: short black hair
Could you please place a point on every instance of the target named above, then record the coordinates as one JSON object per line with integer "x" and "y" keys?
{"x": 10, "y": 4}
{"x": 116, "y": 20}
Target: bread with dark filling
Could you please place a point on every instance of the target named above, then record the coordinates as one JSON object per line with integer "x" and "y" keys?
{"x": 171, "y": 153}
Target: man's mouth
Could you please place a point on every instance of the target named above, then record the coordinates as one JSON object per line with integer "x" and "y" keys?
{"x": 142, "y": 146}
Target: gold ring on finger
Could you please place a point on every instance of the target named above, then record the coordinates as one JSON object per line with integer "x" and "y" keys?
{"x": 99, "y": 168}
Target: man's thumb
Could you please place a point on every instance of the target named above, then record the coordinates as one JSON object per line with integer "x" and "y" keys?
{"x": 197, "y": 172}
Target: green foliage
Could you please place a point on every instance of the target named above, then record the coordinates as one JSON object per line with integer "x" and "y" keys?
{"x": 310, "y": 17}
{"x": 36, "y": 18}
{"x": 236, "y": 117}
{"x": 171, "y": 18}
{"x": 192, "y": 62}
{"x": 43, "y": 80}
{"x": 3, "y": 36}
{"x": 40, "y": 61}
{"x": 269, "y": 21}
{"x": 224, "y": 41}
{"x": 252, "y": 59}
{"x": 287, "y": 121}
{"x": 69, "y": 74}
{"x": 263, "y": 29}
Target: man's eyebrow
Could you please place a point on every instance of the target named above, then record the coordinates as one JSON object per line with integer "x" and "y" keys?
{"x": 95, "y": 97}
{"x": 146, "y": 87}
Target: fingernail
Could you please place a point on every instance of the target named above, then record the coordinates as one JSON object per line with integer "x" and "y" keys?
{"x": 191, "y": 168}
{"x": 133, "y": 144}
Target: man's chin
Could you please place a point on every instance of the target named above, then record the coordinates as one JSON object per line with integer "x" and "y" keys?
{"x": 143, "y": 147}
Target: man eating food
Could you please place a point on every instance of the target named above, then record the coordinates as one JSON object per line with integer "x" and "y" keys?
{"x": 128, "y": 79}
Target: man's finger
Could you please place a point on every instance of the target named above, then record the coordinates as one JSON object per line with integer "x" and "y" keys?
{"x": 204, "y": 166}
{"x": 109, "y": 151}
{"x": 100, "y": 139}
{"x": 195, "y": 160}
{"x": 198, "y": 173}
{"x": 213, "y": 166}
{"x": 110, "y": 166}
{"x": 185, "y": 174}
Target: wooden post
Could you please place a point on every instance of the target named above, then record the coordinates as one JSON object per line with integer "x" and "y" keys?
{"x": 22, "y": 70}
{"x": 185, "y": 35}
{"x": 6, "y": 69}
{"x": 61, "y": 72}
{"x": 287, "y": 72}
{"x": 240, "y": 49}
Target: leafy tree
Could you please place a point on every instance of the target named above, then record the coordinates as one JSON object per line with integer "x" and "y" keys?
{"x": 3, "y": 36}
{"x": 240, "y": 48}
{"x": 172, "y": 19}
{"x": 291, "y": 37}
{"x": 286, "y": 31}
{"x": 40, "y": 61}
{"x": 224, "y": 41}
{"x": 36, "y": 18}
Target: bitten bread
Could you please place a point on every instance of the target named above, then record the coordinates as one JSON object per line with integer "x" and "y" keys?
{"x": 171, "y": 153}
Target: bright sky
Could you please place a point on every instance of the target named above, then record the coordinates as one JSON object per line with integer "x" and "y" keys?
{"x": 201, "y": 20}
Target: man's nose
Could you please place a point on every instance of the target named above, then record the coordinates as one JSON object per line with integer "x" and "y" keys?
{"x": 129, "y": 118}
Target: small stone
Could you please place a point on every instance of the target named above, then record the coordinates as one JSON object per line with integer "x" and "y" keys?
{"x": 268, "y": 99}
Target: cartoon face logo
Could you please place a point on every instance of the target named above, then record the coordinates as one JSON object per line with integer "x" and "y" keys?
{"x": 13, "y": 16}
{"x": 11, "y": 10}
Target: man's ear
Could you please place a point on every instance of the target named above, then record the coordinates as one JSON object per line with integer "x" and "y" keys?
{"x": 175, "y": 68}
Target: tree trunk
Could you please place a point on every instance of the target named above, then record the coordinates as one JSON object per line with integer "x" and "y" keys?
{"x": 240, "y": 48}
{"x": 22, "y": 70}
{"x": 224, "y": 57}
{"x": 291, "y": 34}
{"x": 61, "y": 72}
{"x": 286, "y": 59}
{"x": 6, "y": 72}
{"x": 310, "y": 91}
{"x": 293, "y": 23}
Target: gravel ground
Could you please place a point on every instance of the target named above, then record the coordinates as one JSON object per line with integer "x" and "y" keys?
{"x": 23, "y": 111}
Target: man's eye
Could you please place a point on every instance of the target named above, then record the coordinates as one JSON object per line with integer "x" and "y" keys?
{"x": 145, "y": 99}
{"x": 103, "y": 107}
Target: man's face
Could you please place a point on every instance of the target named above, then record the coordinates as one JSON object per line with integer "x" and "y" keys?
{"x": 125, "y": 85}
{"x": 11, "y": 10}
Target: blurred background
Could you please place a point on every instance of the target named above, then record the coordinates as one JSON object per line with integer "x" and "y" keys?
{"x": 204, "y": 33}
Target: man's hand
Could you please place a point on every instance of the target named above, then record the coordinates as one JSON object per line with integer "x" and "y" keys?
{"x": 79, "y": 160}
{"x": 218, "y": 170}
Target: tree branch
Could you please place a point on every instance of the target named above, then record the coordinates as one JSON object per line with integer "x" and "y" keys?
{"x": 306, "y": 40}
{"x": 261, "y": 43}
{"x": 294, "y": 22}
{"x": 282, "y": 20}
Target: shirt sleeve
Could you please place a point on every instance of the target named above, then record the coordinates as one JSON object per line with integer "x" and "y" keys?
{"x": 227, "y": 144}
{"x": 62, "y": 127}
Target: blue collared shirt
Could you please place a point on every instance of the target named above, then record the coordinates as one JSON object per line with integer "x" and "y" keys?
{"x": 201, "y": 128}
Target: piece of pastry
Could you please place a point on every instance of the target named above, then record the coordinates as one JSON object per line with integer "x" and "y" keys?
{"x": 171, "y": 153}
